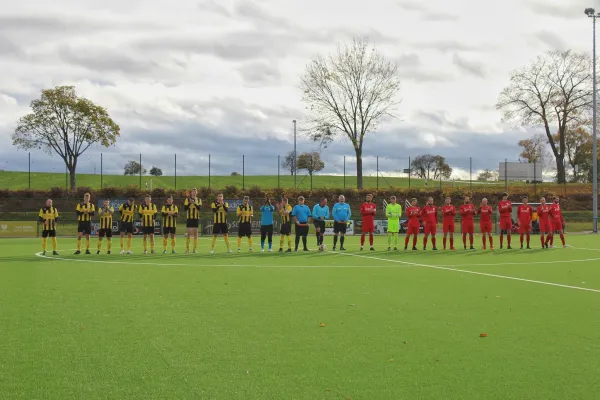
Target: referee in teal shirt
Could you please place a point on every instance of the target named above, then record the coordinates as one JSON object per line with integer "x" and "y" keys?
{"x": 320, "y": 212}
{"x": 301, "y": 213}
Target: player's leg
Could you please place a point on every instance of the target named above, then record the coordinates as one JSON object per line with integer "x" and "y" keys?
{"x": 471, "y": 234}
{"x": 521, "y": 236}
{"x": 297, "y": 238}
{"x": 44, "y": 241}
{"x": 528, "y": 238}
{"x": 433, "y": 238}
{"x": 87, "y": 241}
{"x": 362, "y": 237}
{"x": 195, "y": 232}
{"x": 109, "y": 241}
{"x": 145, "y": 241}
{"x": 482, "y": 228}
{"x": 305, "y": 237}
{"x": 263, "y": 237}
{"x": 562, "y": 236}
{"x": 152, "y": 242}
{"x": 270, "y": 238}
{"x": 165, "y": 239}
{"x": 336, "y": 233}
{"x": 173, "y": 241}
{"x": 100, "y": 237}
{"x": 318, "y": 232}
{"x": 129, "y": 238}
{"x": 342, "y": 238}
{"x": 214, "y": 241}
{"x": 79, "y": 236}
{"x": 122, "y": 240}
{"x": 239, "y": 239}
{"x": 249, "y": 236}
{"x": 226, "y": 239}
{"x": 445, "y": 238}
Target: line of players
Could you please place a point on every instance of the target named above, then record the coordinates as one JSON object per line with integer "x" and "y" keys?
{"x": 550, "y": 219}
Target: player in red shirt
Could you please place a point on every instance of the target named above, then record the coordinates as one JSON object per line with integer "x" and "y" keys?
{"x": 524, "y": 214}
{"x": 448, "y": 214}
{"x": 429, "y": 215}
{"x": 505, "y": 210}
{"x": 557, "y": 222}
{"x": 413, "y": 212}
{"x": 467, "y": 213}
{"x": 367, "y": 210}
{"x": 543, "y": 212}
{"x": 485, "y": 212}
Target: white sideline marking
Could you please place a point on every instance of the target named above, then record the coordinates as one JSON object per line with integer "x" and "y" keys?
{"x": 476, "y": 273}
{"x": 581, "y": 248}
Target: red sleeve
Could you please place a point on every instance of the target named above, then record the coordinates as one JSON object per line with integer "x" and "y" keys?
{"x": 478, "y": 211}
{"x": 363, "y": 210}
{"x": 423, "y": 212}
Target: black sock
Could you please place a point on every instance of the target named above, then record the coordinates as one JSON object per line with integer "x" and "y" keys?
{"x": 304, "y": 241}
{"x": 318, "y": 239}
{"x": 297, "y": 241}
{"x": 342, "y": 241}
{"x": 321, "y": 238}
{"x": 335, "y": 239}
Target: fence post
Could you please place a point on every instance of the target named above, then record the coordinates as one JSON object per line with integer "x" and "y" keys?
{"x": 278, "y": 165}
{"x": 243, "y": 172}
{"x": 470, "y": 173}
{"x": 377, "y": 173}
{"x": 312, "y": 166}
{"x": 441, "y": 182}
{"x": 29, "y": 174}
{"x": 209, "y": 166}
{"x": 534, "y": 179}
{"x": 101, "y": 174}
{"x": 141, "y": 171}
{"x": 66, "y": 177}
{"x": 344, "y": 172}
{"x": 505, "y": 176}
{"x": 409, "y": 172}
{"x": 175, "y": 176}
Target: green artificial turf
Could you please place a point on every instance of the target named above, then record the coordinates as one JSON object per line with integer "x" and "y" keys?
{"x": 402, "y": 325}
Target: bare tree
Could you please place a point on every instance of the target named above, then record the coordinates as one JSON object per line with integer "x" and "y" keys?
{"x": 349, "y": 93}
{"x": 288, "y": 162}
{"x": 578, "y": 149}
{"x": 311, "y": 161}
{"x": 428, "y": 166}
{"x": 554, "y": 91}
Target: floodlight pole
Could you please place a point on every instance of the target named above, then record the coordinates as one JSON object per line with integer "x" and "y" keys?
{"x": 591, "y": 13}
{"x": 295, "y": 157}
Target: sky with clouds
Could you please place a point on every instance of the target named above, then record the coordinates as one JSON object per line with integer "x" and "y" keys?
{"x": 221, "y": 77}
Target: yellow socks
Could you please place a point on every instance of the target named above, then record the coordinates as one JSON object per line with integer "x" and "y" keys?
{"x": 122, "y": 244}
{"x": 195, "y": 243}
{"x": 109, "y": 244}
{"x": 43, "y": 244}
{"x": 152, "y": 244}
{"x": 145, "y": 244}
{"x": 87, "y": 243}
{"x": 53, "y": 244}
{"x": 173, "y": 244}
{"x": 289, "y": 241}
{"x": 99, "y": 244}
{"x": 226, "y": 238}
{"x": 128, "y": 244}
{"x": 78, "y": 244}
{"x": 281, "y": 241}
{"x": 239, "y": 242}
{"x": 165, "y": 242}
{"x": 214, "y": 240}
{"x": 250, "y": 242}
{"x": 187, "y": 243}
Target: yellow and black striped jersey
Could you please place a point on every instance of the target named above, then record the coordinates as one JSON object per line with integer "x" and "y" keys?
{"x": 192, "y": 206}
{"x": 83, "y": 216}
{"x": 220, "y": 212}
{"x": 147, "y": 212}
{"x": 106, "y": 217}
{"x": 285, "y": 213}
{"x": 127, "y": 212}
{"x": 169, "y": 221}
{"x": 245, "y": 213}
{"x": 48, "y": 217}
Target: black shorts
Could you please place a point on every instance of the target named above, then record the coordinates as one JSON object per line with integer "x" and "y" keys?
{"x": 286, "y": 228}
{"x": 126, "y": 227}
{"x": 301, "y": 230}
{"x": 148, "y": 230}
{"x": 245, "y": 229}
{"x": 266, "y": 229}
{"x": 49, "y": 233}
{"x": 220, "y": 229}
{"x": 84, "y": 227}
{"x": 105, "y": 232}
{"x": 320, "y": 225}
{"x": 191, "y": 223}
{"x": 167, "y": 231}
{"x": 339, "y": 227}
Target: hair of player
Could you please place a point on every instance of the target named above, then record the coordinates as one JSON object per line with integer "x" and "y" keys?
{"x": 194, "y": 189}
{"x": 525, "y": 197}
{"x": 284, "y": 199}
{"x": 370, "y": 195}
{"x": 220, "y": 195}
{"x": 147, "y": 197}
{"x": 413, "y": 199}
{"x": 246, "y": 198}
{"x": 393, "y": 198}
{"x": 131, "y": 199}
{"x": 504, "y": 194}
{"x": 342, "y": 197}
{"x": 107, "y": 200}
{"x": 300, "y": 198}
{"x": 323, "y": 198}
{"x": 170, "y": 197}
{"x": 87, "y": 195}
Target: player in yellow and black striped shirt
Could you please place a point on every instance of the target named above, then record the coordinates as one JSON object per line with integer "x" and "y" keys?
{"x": 106, "y": 221}
{"x": 169, "y": 212}
{"x": 245, "y": 212}
{"x": 127, "y": 211}
{"x": 285, "y": 209}
{"x": 48, "y": 217}
{"x": 148, "y": 212}
{"x": 192, "y": 206}
{"x": 85, "y": 211}
{"x": 220, "y": 226}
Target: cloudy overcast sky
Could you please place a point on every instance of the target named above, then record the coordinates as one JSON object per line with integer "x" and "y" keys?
{"x": 221, "y": 77}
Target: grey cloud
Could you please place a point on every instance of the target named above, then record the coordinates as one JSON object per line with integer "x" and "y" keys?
{"x": 449, "y": 45}
{"x": 260, "y": 74}
{"x": 572, "y": 9}
{"x": 54, "y": 24}
{"x": 471, "y": 67}
{"x": 104, "y": 59}
{"x": 408, "y": 60}
{"x": 440, "y": 118}
{"x": 426, "y": 13}
{"x": 411, "y": 68}
{"x": 550, "y": 39}
{"x": 9, "y": 48}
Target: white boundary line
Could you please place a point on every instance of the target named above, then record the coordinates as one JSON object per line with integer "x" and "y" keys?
{"x": 476, "y": 273}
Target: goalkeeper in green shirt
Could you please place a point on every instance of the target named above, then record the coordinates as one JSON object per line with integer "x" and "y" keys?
{"x": 393, "y": 211}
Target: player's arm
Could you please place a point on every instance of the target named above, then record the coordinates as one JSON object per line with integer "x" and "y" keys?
{"x": 226, "y": 207}
{"x": 251, "y": 211}
{"x": 40, "y": 215}
{"x": 163, "y": 211}
{"x": 214, "y": 207}
{"x": 186, "y": 204}
{"x": 239, "y": 211}
{"x": 92, "y": 210}
{"x": 327, "y": 212}
{"x": 349, "y": 212}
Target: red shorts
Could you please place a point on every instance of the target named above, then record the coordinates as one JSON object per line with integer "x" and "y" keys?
{"x": 430, "y": 228}
{"x": 448, "y": 226}
{"x": 545, "y": 227}
{"x": 524, "y": 228}
{"x": 506, "y": 224}
{"x": 412, "y": 229}
{"x": 468, "y": 227}
{"x": 368, "y": 226}
{"x": 557, "y": 225}
{"x": 485, "y": 226}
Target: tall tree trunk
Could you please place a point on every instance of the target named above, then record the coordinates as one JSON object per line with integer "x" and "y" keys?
{"x": 359, "y": 169}
{"x": 72, "y": 178}
{"x": 560, "y": 169}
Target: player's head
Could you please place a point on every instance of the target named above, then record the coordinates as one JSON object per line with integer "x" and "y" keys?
{"x": 284, "y": 201}
{"x": 448, "y": 200}
{"x": 369, "y": 198}
{"x": 148, "y": 199}
{"x": 170, "y": 200}
{"x": 194, "y": 192}
{"x": 323, "y": 201}
{"x": 467, "y": 199}
{"x": 556, "y": 200}
{"x": 220, "y": 197}
{"x": 542, "y": 200}
{"x": 130, "y": 200}
{"x": 430, "y": 201}
{"x": 504, "y": 196}
{"x": 525, "y": 199}
{"x": 86, "y": 198}
{"x": 413, "y": 201}
{"x": 49, "y": 203}
{"x": 393, "y": 199}
{"x": 342, "y": 199}
{"x": 484, "y": 202}
{"x": 246, "y": 200}
{"x": 301, "y": 200}
{"x": 106, "y": 203}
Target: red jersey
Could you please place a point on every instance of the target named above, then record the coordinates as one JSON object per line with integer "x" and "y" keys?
{"x": 429, "y": 214}
{"x": 485, "y": 213}
{"x": 555, "y": 213}
{"x": 413, "y": 213}
{"x": 448, "y": 212}
{"x": 543, "y": 212}
{"x": 467, "y": 212}
{"x": 505, "y": 209}
{"x": 367, "y": 210}
{"x": 524, "y": 213}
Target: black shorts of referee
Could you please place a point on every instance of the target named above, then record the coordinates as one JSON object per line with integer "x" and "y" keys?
{"x": 319, "y": 225}
{"x": 302, "y": 230}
